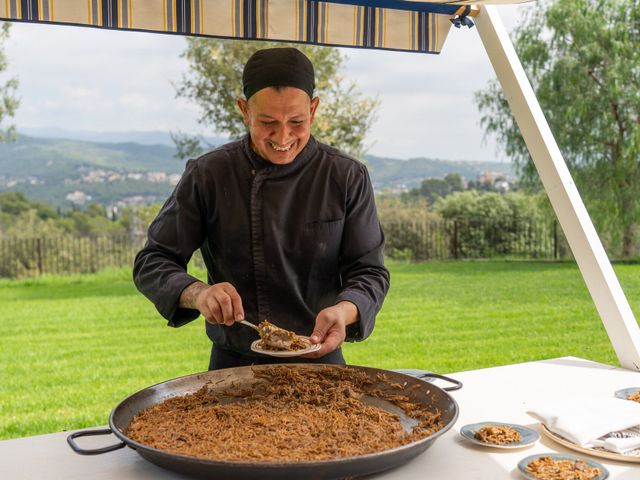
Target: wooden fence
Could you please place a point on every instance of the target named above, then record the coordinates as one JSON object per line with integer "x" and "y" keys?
{"x": 474, "y": 239}
{"x": 30, "y": 257}
{"x": 411, "y": 241}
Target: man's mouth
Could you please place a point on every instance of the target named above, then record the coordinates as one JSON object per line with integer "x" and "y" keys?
{"x": 282, "y": 148}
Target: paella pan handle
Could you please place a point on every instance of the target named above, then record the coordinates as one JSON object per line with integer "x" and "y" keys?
{"x": 96, "y": 451}
{"x": 457, "y": 385}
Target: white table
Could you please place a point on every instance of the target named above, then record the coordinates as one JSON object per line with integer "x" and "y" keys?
{"x": 493, "y": 394}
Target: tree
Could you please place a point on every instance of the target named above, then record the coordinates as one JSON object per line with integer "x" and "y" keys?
{"x": 8, "y": 100}
{"x": 215, "y": 82}
{"x": 434, "y": 188}
{"x": 15, "y": 203}
{"x": 28, "y": 224}
{"x": 491, "y": 223}
{"x": 92, "y": 221}
{"x": 583, "y": 61}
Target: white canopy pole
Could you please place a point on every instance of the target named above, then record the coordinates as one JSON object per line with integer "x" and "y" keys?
{"x": 585, "y": 244}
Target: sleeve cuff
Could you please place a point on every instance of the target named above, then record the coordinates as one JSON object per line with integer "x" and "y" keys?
{"x": 169, "y": 305}
{"x": 360, "y": 330}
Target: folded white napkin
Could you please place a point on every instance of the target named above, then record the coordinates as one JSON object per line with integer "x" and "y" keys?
{"x": 621, "y": 445}
{"x": 584, "y": 420}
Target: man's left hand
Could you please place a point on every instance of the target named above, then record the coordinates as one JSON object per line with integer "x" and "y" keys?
{"x": 330, "y": 329}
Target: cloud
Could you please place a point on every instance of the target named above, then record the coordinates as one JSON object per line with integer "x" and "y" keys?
{"x": 91, "y": 79}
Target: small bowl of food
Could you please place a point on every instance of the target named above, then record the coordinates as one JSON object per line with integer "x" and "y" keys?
{"x": 500, "y": 435}
{"x": 556, "y": 466}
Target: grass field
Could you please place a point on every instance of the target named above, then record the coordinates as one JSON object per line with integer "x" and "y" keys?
{"x": 73, "y": 347}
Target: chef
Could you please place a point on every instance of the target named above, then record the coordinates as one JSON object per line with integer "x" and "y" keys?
{"x": 286, "y": 225}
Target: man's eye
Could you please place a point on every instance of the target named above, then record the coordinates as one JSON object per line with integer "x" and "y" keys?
{"x": 268, "y": 124}
{"x": 296, "y": 122}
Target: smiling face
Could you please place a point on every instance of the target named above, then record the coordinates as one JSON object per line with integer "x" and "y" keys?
{"x": 279, "y": 122}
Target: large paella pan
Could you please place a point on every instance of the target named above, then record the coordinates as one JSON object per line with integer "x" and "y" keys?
{"x": 225, "y": 384}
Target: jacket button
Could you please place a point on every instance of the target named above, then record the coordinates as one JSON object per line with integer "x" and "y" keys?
{"x": 253, "y": 172}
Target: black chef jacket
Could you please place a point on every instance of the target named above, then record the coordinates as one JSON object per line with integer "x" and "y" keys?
{"x": 292, "y": 239}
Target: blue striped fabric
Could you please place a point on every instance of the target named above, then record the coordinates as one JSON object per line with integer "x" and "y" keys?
{"x": 313, "y": 21}
{"x": 423, "y": 31}
{"x": 109, "y": 11}
{"x": 179, "y": 15}
{"x": 30, "y": 8}
{"x": 249, "y": 25}
{"x": 384, "y": 24}
{"x": 183, "y": 16}
{"x": 447, "y": 7}
{"x": 368, "y": 26}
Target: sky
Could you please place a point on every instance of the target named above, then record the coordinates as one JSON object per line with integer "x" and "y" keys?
{"x": 98, "y": 80}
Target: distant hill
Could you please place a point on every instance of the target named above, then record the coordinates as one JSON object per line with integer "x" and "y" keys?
{"x": 394, "y": 174}
{"x": 55, "y": 159}
{"x": 49, "y": 169}
{"x": 153, "y": 137}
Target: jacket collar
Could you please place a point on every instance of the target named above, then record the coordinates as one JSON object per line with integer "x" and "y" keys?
{"x": 259, "y": 163}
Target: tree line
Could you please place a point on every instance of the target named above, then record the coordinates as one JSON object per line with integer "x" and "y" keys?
{"x": 470, "y": 224}
{"x": 21, "y": 217}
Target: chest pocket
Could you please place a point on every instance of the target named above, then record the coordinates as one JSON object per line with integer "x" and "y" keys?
{"x": 322, "y": 243}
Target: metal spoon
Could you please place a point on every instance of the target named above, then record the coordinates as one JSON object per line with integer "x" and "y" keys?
{"x": 249, "y": 324}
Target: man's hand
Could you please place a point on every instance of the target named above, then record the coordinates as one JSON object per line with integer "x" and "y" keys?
{"x": 219, "y": 303}
{"x": 330, "y": 329}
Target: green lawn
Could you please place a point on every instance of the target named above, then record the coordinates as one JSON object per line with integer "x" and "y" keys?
{"x": 73, "y": 347}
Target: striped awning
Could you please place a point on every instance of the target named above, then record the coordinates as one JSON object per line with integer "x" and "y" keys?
{"x": 407, "y": 25}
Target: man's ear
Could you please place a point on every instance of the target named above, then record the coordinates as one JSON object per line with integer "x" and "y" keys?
{"x": 314, "y": 106}
{"x": 243, "y": 105}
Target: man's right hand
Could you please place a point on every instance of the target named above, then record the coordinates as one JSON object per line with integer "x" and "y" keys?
{"x": 219, "y": 303}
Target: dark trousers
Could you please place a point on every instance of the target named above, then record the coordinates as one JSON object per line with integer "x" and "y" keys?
{"x": 223, "y": 358}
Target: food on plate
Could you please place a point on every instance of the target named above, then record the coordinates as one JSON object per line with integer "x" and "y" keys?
{"x": 290, "y": 414}
{"x": 498, "y": 435}
{"x": 276, "y": 338}
{"x": 634, "y": 396}
{"x": 547, "y": 468}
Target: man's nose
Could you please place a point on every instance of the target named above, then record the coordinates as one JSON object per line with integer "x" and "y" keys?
{"x": 282, "y": 135}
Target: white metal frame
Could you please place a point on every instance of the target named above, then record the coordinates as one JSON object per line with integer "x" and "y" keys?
{"x": 598, "y": 274}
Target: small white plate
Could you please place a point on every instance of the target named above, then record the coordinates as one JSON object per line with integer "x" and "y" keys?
{"x": 285, "y": 353}
{"x": 527, "y": 436}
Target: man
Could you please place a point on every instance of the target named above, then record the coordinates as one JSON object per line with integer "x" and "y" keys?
{"x": 287, "y": 228}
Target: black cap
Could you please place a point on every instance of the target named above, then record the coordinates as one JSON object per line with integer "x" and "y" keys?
{"x": 278, "y": 67}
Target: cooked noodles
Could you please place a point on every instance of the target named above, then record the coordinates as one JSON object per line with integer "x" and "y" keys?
{"x": 296, "y": 414}
{"x": 498, "y": 435}
{"x": 547, "y": 468}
